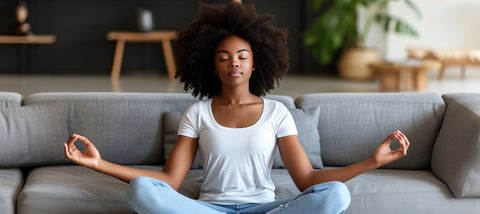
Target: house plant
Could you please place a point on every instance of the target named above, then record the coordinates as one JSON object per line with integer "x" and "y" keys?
{"x": 336, "y": 29}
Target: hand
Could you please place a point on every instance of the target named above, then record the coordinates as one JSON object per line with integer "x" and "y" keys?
{"x": 90, "y": 157}
{"x": 384, "y": 154}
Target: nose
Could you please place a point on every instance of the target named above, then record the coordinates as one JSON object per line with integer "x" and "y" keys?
{"x": 234, "y": 64}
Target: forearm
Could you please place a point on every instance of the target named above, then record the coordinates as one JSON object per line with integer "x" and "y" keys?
{"x": 127, "y": 174}
{"x": 342, "y": 174}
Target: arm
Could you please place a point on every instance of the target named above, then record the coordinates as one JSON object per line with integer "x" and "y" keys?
{"x": 173, "y": 173}
{"x": 302, "y": 173}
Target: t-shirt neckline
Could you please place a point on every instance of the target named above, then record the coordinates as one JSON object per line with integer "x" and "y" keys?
{"x": 254, "y": 125}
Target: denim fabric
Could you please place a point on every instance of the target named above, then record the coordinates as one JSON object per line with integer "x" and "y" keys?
{"x": 147, "y": 195}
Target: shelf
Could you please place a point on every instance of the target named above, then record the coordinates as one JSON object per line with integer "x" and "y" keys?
{"x": 30, "y": 39}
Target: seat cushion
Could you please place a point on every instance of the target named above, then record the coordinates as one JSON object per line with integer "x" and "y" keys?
{"x": 72, "y": 189}
{"x": 11, "y": 182}
{"x": 404, "y": 191}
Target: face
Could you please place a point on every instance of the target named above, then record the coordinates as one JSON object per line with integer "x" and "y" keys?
{"x": 233, "y": 60}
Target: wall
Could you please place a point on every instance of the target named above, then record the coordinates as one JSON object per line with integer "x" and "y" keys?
{"x": 81, "y": 26}
{"x": 445, "y": 24}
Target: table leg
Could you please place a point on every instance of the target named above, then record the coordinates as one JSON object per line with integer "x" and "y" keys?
{"x": 167, "y": 51}
{"x": 390, "y": 81}
{"x": 117, "y": 60}
{"x": 420, "y": 79}
{"x": 441, "y": 73}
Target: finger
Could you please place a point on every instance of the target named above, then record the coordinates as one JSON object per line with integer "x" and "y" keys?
{"x": 68, "y": 155}
{"x": 403, "y": 144}
{"x": 389, "y": 138}
{"x": 72, "y": 139}
{"x": 84, "y": 140}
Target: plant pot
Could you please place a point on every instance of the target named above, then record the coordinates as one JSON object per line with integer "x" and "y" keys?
{"x": 353, "y": 63}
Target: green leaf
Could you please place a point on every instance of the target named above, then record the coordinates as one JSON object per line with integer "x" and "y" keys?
{"x": 414, "y": 8}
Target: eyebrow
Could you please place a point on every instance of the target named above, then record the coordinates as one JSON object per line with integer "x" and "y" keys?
{"x": 224, "y": 51}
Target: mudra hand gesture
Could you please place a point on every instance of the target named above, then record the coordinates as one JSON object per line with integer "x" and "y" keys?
{"x": 384, "y": 154}
{"x": 90, "y": 157}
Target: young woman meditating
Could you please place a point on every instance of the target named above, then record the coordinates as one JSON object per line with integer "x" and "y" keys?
{"x": 233, "y": 56}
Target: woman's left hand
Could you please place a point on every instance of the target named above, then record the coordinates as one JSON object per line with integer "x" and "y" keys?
{"x": 384, "y": 154}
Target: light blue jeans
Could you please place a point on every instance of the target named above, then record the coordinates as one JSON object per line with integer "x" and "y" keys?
{"x": 148, "y": 195}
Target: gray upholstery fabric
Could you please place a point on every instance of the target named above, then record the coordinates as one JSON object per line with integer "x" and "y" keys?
{"x": 11, "y": 182}
{"x": 306, "y": 121}
{"x": 10, "y": 99}
{"x": 285, "y": 100}
{"x": 456, "y": 155}
{"x": 32, "y": 135}
{"x": 404, "y": 191}
{"x": 352, "y": 126}
{"x": 131, "y": 121}
{"x": 73, "y": 190}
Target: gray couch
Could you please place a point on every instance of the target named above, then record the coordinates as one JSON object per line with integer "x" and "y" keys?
{"x": 440, "y": 174}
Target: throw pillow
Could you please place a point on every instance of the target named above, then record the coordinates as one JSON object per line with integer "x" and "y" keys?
{"x": 32, "y": 135}
{"x": 306, "y": 121}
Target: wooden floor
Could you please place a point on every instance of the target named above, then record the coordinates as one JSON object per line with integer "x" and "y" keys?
{"x": 291, "y": 85}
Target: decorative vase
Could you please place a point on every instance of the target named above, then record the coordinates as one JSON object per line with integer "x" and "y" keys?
{"x": 353, "y": 63}
{"x": 144, "y": 20}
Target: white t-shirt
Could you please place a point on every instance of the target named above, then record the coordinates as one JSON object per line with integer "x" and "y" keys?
{"x": 237, "y": 161}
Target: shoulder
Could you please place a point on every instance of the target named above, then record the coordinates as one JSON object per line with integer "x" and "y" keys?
{"x": 195, "y": 107}
{"x": 275, "y": 106}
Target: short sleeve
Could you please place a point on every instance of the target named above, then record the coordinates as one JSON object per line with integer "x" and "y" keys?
{"x": 285, "y": 123}
{"x": 189, "y": 123}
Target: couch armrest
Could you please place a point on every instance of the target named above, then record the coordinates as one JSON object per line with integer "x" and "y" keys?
{"x": 456, "y": 153}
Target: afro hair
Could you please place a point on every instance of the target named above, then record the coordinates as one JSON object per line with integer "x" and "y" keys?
{"x": 197, "y": 42}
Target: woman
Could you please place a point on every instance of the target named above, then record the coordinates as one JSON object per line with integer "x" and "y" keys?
{"x": 233, "y": 57}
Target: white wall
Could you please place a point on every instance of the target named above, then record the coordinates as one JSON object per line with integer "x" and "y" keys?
{"x": 445, "y": 24}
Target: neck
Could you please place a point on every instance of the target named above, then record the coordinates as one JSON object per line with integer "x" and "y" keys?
{"x": 236, "y": 96}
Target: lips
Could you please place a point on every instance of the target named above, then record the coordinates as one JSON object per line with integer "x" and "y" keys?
{"x": 235, "y": 73}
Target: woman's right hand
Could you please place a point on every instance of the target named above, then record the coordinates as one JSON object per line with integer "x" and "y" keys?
{"x": 90, "y": 157}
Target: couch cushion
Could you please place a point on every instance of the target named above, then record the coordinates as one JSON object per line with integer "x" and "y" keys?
{"x": 127, "y": 128}
{"x": 73, "y": 189}
{"x": 10, "y": 99}
{"x": 456, "y": 155}
{"x": 352, "y": 126}
{"x": 11, "y": 182}
{"x": 404, "y": 191}
{"x": 32, "y": 135}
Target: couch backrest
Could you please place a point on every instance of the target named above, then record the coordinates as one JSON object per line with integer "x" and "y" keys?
{"x": 10, "y": 99}
{"x": 352, "y": 125}
{"x": 127, "y": 128}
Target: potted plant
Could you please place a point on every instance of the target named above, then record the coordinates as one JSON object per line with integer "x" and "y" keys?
{"x": 335, "y": 29}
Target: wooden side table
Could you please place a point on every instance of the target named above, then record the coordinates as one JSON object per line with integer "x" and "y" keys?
{"x": 123, "y": 37}
{"x": 399, "y": 76}
{"x": 30, "y": 39}
{"x": 23, "y": 41}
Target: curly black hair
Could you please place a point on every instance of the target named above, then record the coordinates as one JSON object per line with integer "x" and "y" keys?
{"x": 196, "y": 45}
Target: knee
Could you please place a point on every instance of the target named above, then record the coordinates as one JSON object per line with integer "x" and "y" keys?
{"x": 141, "y": 186}
{"x": 136, "y": 186}
{"x": 337, "y": 191}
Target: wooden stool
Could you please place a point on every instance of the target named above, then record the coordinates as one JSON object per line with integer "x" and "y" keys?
{"x": 397, "y": 76}
{"x": 155, "y": 36}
